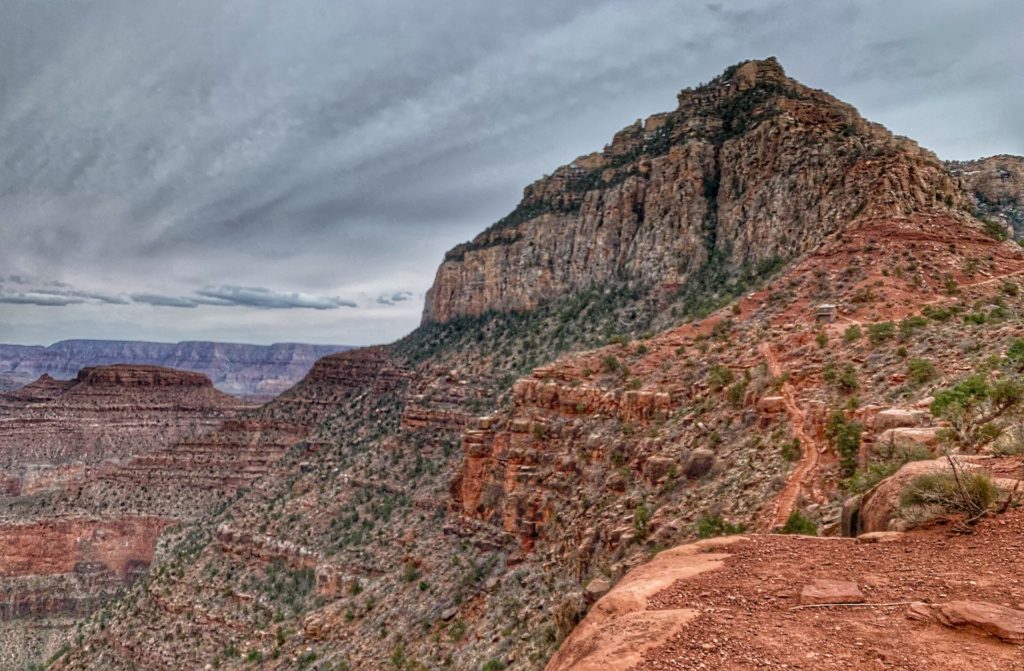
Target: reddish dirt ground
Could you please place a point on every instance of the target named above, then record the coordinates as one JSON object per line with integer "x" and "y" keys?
{"x": 746, "y": 619}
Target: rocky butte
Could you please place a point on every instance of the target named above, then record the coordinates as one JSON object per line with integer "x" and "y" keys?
{"x": 758, "y": 312}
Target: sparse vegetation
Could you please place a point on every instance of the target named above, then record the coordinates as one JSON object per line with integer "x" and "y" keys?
{"x": 978, "y": 410}
{"x": 962, "y": 491}
{"x": 920, "y": 371}
{"x": 719, "y": 377}
{"x": 799, "y": 524}
{"x": 845, "y": 437}
{"x": 880, "y": 332}
{"x": 714, "y": 525}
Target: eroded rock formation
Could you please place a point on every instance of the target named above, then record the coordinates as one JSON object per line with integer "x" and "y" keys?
{"x": 751, "y": 169}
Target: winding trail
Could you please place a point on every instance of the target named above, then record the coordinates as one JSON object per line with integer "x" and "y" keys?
{"x": 935, "y": 301}
{"x": 785, "y": 501}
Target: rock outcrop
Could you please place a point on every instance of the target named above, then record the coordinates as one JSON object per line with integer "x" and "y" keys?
{"x": 744, "y": 603}
{"x": 996, "y": 184}
{"x": 750, "y": 169}
{"x": 987, "y": 619}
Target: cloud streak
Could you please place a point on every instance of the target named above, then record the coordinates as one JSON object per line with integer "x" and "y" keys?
{"x": 54, "y": 294}
{"x": 265, "y": 298}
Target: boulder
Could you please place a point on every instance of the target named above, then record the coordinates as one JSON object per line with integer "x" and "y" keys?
{"x": 699, "y": 463}
{"x": 597, "y": 588}
{"x": 771, "y": 404}
{"x": 880, "y": 508}
{"x": 880, "y": 537}
{"x": 908, "y": 438}
{"x": 894, "y": 418}
{"x": 657, "y": 467}
{"x": 822, "y": 591}
{"x": 1006, "y": 624}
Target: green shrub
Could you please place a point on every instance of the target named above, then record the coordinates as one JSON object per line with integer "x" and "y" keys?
{"x": 995, "y": 229}
{"x": 975, "y": 318}
{"x": 920, "y": 371}
{"x": 845, "y": 436}
{"x": 642, "y": 520}
{"x": 912, "y": 324}
{"x": 974, "y": 493}
{"x": 791, "y": 450}
{"x": 720, "y": 377}
{"x": 936, "y": 313}
{"x": 736, "y": 392}
{"x": 799, "y": 524}
{"x": 880, "y": 332}
{"x": 714, "y": 525}
{"x": 493, "y": 665}
{"x": 611, "y": 364}
{"x": 865, "y": 479}
{"x": 1016, "y": 353}
{"x": 852, "y": 333}
{"x": 977, "y": 409}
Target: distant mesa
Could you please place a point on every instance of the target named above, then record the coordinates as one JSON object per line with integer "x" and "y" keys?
{"x": 254, "y": 372}
{"x": 127, "y": 375}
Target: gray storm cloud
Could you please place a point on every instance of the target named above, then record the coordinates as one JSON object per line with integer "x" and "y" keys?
{"x": 160, "y": 155}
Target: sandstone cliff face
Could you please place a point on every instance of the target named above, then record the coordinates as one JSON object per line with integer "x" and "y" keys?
{"x": 750, "y": 169}
{"x": 996, "y": 184}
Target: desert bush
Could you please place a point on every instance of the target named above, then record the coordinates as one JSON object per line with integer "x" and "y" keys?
{"x": 978, "y": 410}
{"x": 642, "y": 520}
{"x": 880, "y": 332}
{"x": 968, "y": 492}
{"x": 720, "y": 377}
{"x": 791, "y": 450}
{"x": 845, "y": 437}
{"x": 920, "y": 371}
{"x": 845, "y": 377}
{"x": 852, "y": 333}
{"x": 864, "y": 479}
{"x": 713, "y": 525}
{"x": 912, "y": 324}
{"x": 1015, "y": 353}
{"x": 611, "y": 364}
{"x": 799, "y": 524}
{"x": 937, "y": 313}
{"x": 736, "y": 392}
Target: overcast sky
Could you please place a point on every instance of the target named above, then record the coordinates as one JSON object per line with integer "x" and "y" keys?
{"x": 261, "y": 171}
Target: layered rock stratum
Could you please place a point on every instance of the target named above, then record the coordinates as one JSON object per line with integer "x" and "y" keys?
{"x": 57, "y": 436}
